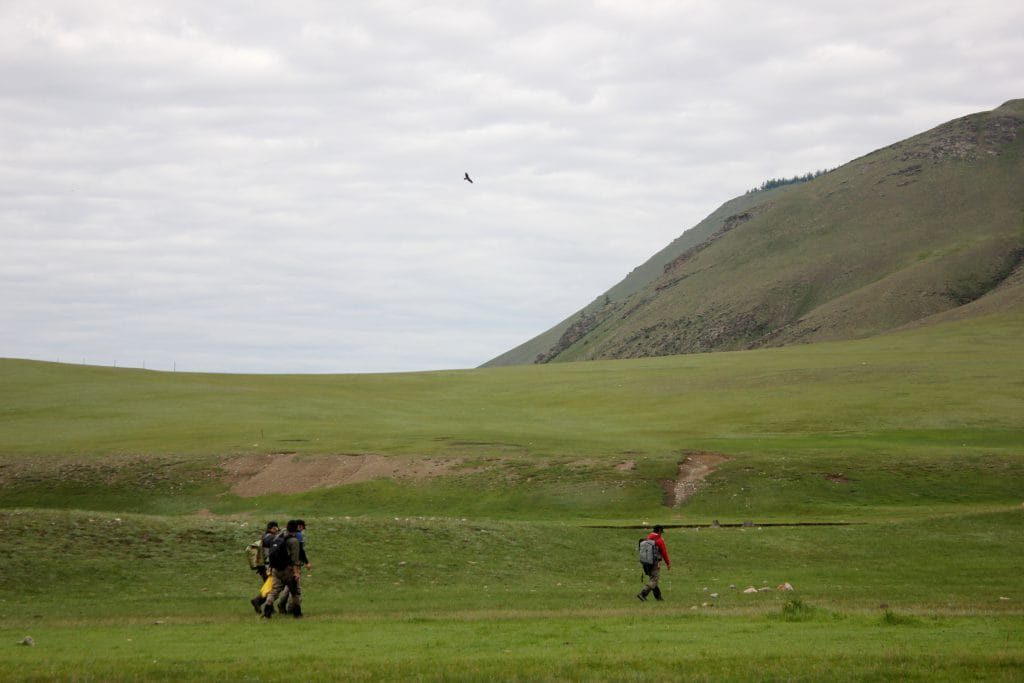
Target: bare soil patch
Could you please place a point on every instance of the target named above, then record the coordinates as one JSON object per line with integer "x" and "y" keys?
{"x": 692, "y": 471}
{"x": 256, "y": 475}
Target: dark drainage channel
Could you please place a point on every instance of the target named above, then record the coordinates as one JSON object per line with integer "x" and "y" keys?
{"x": 716, "y": 524}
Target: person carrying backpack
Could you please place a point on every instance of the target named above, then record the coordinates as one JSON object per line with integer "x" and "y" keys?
{"x": 282, "y": 603}
{"x": 285, "y": 558}
{"x": 257, "y": 550}
{"x": 652, "y": 551}
{"x": 258, "y": 560}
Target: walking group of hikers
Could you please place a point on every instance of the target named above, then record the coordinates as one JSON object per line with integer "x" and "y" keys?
{"x": 278, "y": 558}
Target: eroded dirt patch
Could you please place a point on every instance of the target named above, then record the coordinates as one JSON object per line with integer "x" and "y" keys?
{"x": 257, "y": 475}
{"x": 692, "y": 471}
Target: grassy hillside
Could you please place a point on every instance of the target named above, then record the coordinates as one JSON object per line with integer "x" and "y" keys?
{"x": 501, "y": 544}
{"x": 907, "y": 234}
{"x": 591, "y": 440}
{"x": 639, "y": 278}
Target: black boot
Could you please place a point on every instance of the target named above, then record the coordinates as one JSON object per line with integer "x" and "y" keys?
{"x": 268, "y": 610}
{"x": 256, "y": 603}
{"x": 297, "y": 611}
{"x": 657, "y": 594}
{"x": 642, "y": 595}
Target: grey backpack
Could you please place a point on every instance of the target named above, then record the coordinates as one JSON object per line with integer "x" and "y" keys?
{"x": 649, "y": 552}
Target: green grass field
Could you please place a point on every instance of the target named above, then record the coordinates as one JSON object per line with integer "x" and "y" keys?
{"x": 518, "y": 561}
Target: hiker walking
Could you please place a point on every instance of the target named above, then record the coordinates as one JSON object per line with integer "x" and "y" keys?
{"x": 301, "y": 535}
{"x": 272, "y": 530}
{"x": 282, "y": 603}
{"x": 258, "y": 552}
{"x": 652, "y": 552}
{"x": 285, "y": 560}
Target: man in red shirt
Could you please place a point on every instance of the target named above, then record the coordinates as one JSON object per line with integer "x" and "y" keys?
{"x": 653, "y": 570}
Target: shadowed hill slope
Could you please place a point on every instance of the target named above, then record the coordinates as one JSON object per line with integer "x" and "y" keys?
{"x": 636, "y": 280}
{"x": 927, "y": 229}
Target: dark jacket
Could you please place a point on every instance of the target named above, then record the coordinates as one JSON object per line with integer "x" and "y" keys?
{"x": 294, "y": 550}
{"x": 268, "y": 538}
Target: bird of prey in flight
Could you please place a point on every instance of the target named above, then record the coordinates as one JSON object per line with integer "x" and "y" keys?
{"x": 468, "y": 179}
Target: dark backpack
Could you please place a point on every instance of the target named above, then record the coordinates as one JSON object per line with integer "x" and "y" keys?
{"x": 277, "y": 552}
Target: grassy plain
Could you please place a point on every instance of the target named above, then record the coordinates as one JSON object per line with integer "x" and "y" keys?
{"x": 518, "y": 563}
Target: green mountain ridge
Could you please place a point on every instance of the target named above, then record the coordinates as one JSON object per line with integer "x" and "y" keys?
{"x": 925, "y": 230}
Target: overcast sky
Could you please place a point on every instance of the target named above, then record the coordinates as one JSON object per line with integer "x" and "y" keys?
{"x": 278, "y": 186}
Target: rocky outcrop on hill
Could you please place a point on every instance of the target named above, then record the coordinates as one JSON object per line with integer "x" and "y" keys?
{"x": 970, "y": 138}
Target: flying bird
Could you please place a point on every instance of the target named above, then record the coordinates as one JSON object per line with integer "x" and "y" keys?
{"x": 468, "y": 179}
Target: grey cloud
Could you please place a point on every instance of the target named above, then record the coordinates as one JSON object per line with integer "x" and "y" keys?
{"x": 274, "y": 187}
